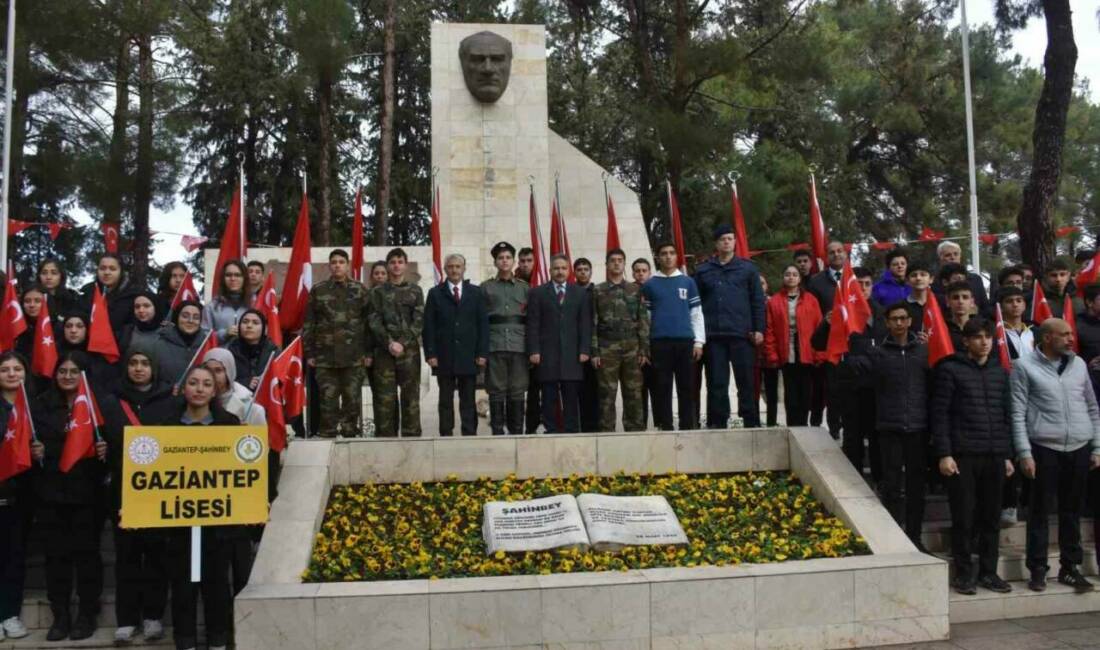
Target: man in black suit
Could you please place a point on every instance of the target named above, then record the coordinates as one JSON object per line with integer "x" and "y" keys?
{"x": 823, "y": 287}
{"x": 559, "y": 340}
{"x": 456, "y": 343}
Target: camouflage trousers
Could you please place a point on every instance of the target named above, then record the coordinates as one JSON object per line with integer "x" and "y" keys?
{"x": 340, "y": 404}
{"x": 619, "y": 366}
{"x": 390, "y": 376}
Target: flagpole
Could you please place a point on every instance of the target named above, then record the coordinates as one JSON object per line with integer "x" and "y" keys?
{"x": 244, "y": 202}
{"x": 248, "y": 412}
{"x": 9, "y": 74}
{"x": 974, "y": 251}
{"x": 91, "y": 407}
{"x": 197, "y": 352}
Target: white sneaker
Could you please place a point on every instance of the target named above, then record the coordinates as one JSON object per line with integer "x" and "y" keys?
{"x": 1008, "y": 517}
{"x": 125, "y": 635}
{"x": 217, "y": 647}
{"x": 153, "y": 629}
{"x": 14, "y": 628}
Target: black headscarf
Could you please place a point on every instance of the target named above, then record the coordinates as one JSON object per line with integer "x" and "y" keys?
{"x": 187, "y": 339}
{"x": 63, "y": 344}
{"x": 158, "y": 317}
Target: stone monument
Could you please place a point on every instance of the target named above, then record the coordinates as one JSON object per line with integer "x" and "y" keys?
{"x": 491, "y": 138}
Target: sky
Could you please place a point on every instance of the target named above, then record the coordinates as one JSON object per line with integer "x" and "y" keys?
{"x": 1029, "y": 43}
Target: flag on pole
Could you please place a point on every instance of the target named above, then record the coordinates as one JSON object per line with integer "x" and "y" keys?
{"x": 612, "y": 222}
{"x": 1002, "y": 339}
{"x": 559, "y": 238}
{"x": 1088, "y": 274}
{"x": 82, "y": 430}
{"x": 234, "y": 244}
{"x": 357, "y": 238}
{"x": 269, "y": 395}
{"x": 288, "y": 369}
{"x": 1071, "y": 319}
{"x": 101, "y": 338}
{"x": 12, "y": 322}
{"x": 191, "y": 243}
{"x": 44, "y": 354}
{"x": 540, "y": 272}
{"x": 56, "y": 228}
{"x": 15, "y": 226}
{"x": 110, "y": 237}
{"x": 741, "y": 246}
{"x": 437, "y": 239}
{"x": 818, "y": 245}
{"x": 187, "y": 291}
{"x": 677, "y": 229}
{"x": 208, "y": 344}
{"x": 1040, "y": 308}
{"x": 850, "y": 314}
{"x": 267, "y": 303}
{"x": 299, "y": 275}
{"x": 15, "y": 449}
{"x": 939, "y": 339}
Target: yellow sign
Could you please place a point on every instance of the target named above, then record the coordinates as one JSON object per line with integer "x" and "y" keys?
{"x": 194, "y": 476}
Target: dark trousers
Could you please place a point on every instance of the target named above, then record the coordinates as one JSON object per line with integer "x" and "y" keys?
{"x": 12, "y": 560}
{"x": 72, "y": 547}
{"x": 1064, "y": 475}
{"x": 797, "y": 380}
{"x": 769, "y": 380}
{"x": 141, "y": 575}
{"x": 590, "y": 400}
{"x": 217, "y": 599}
{"x": 817, "y": 396}
{"x": 721, "y": 353}
{"x": 975, "y": 496}
{"x": 467, "y": 411}
{"x": 858, "y": 419}
{"x": 672, "y": 360}
{"x": 647, "y": 393}
{"x": 534, "y": 412}
{"x": 904, "y": 464}
{"x": 563, "y": 397}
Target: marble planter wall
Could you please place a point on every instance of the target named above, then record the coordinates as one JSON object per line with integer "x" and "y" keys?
{"x": 896, "y": 595}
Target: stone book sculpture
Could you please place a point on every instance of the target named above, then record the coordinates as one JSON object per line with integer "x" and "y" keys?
{"x": 607, "y": 523}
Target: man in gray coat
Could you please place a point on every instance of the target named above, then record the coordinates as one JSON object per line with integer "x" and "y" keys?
{"x": 1056, "y": 436}
{"x": 559, "y": 341}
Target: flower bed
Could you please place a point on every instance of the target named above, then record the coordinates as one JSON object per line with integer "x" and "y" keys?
{"x": 433, "y": 530}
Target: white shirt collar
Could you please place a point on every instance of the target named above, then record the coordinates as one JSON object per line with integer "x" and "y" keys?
{"x": 662, "y": 274}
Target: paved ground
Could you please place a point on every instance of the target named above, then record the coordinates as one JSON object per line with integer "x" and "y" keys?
{"x": 1040, "y": 633}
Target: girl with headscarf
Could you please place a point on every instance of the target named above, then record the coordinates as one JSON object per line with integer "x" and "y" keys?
{"x": 74, "y": 338}
{"x": 60, "y": 298}
{"x": 222, "y": 313}
{"x": 116, "y": 291}
{"x": 251, "y": 349}
{"x": 179, "y": 340}
{"x": 33, "y": 300}
{"x": 145, "y": 321}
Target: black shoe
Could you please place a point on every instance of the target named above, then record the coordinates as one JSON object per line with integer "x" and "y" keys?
{"x": 83, "y": 628}
{"x": 59, "y": 631}
{"x": 993, "y": 582}
{"x": 1038, "y": 581}
{"x": 964, "y": 586}
{"x": 1071, "y": 577}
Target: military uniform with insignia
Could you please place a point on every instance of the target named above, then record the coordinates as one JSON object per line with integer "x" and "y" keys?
{"x": 396, "y": 315}
{"x": 335, "y": 337}
{"x": 620, "y": 337}
{"x": 507, "y": 376}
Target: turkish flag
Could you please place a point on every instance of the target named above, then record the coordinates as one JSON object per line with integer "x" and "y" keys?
{"x": 15, "y": 449}
{"x": 191, "y": 243}
{"x": 269, "y": 395}
{"x": 883, "y": 245}
{"x": 110, "y": 237}
{"x": 437, "y": 238}
{"x": 939, "y": 339}
{"x": 1040, "y": 308}
{"x": 16, "y": 226}
{"x": 677, "y": 229}
{"x": 299, "y": 275}
{"x": 850, "y": 314}
{"x": 101, "y": 338}
{"x": 234, "y": 244}
{"x": 1071, "y": 319}
{"x": 187, "y": 291}
{"x": 559, "y": 238}
{"x": 12, "y": 322}
{"x": 1002, "y": 339}
{"x": 357, "y": 238}
{"x": 927, "y": 234}
{"x": 82, "y": 429}
{"x": 540, "y": 272}
{"x": 44, "y": 354}
{"x": 267, "y": 303}
{"x": 612, "y": 226}
{"x": 288, "y": 369}
{"x": 1088, "y": 274}
{"x": 55, "y": 230}
{"x": 741, "y": 246}
{"x": 818, "y": 245}
{"x": 988, "y": 239}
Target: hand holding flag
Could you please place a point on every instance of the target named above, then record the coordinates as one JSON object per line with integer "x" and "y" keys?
{"x": 82, "y": 439}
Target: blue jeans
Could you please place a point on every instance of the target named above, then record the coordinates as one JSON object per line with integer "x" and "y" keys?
{"x": 721, "y": 352}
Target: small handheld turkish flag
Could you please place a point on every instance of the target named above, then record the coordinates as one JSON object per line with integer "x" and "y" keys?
{"x": 44, "y": 355}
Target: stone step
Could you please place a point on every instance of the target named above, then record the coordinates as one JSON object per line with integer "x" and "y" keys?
{"x": 36, "y": 571}
{"x": 1012, "y": 565}
{"x": 36, "y": 610}
{"x": 1022, "y": 602}
{"x": 936, "y": 535}
{"x": 104, "y": 637}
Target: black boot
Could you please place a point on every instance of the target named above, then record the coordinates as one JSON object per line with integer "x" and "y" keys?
{"x": 84, "y": 627}
{"x": 515, "y": 417}
{"x": 496, "y": 418}
{"x": 62, "y": 623}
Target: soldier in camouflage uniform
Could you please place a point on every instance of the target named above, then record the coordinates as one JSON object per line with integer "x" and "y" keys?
{"x": 336, "y": 339}
{"x": 396, "y": 321}
{"x": 620, "y": 344}
{"x": 507, "y": 378}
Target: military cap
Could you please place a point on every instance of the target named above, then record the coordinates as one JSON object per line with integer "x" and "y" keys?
{"x": 500, "y": 247}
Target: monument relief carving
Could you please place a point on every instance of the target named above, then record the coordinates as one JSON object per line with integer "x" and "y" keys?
{"x": 486, "y": 65}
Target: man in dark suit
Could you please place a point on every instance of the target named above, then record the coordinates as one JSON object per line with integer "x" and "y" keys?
{"x": 823, "y": 286}
{"x": 559, "y": 340}
{"x": 456, "y": 343}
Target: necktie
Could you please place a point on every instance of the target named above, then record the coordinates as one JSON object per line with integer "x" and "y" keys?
{"x": 561, "y": 294}
{"x": 457, "y": 297}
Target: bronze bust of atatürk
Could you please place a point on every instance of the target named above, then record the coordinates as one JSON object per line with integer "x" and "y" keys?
{"x": 486, "y": 65}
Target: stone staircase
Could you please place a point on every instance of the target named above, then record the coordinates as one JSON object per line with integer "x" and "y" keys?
{"x": 987, "y": 605}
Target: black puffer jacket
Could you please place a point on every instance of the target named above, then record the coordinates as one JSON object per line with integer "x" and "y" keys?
{"x": 900, "y": 377}
{"x": 970, "y": 408}
{"x": 848, "y": 375}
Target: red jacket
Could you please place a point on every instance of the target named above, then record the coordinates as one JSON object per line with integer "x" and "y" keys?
{"x": 807, "y": 317}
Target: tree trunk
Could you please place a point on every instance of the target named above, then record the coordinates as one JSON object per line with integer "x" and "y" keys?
{"x": 385, "y": 162}
{"x": 323, "y": 230}
{"x": 1034, "y": 221}
{"x": 143, "y": 177}
{"x": 116, "y": 162}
